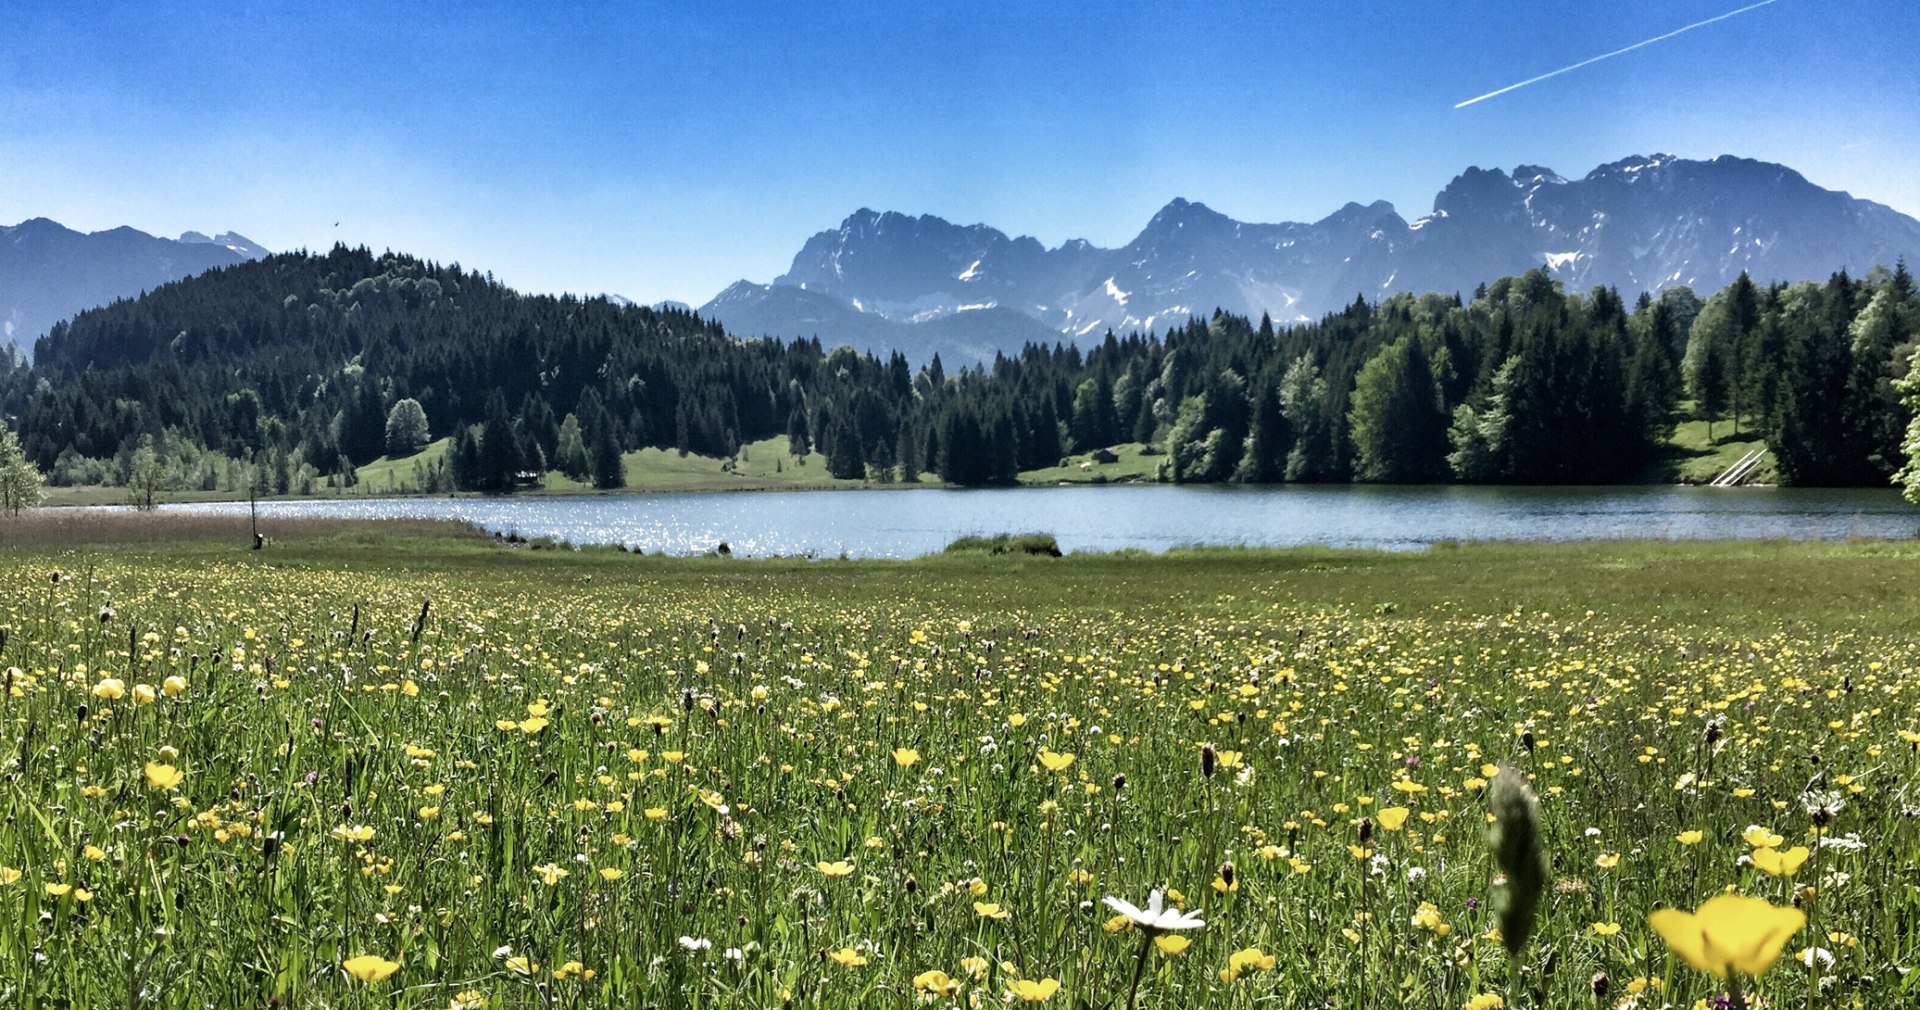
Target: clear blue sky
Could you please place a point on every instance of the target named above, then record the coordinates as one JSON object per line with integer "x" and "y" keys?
{"x": 665, "y": 150}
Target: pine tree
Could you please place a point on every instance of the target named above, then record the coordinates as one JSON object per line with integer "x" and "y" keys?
{"x": 1876, "y": 418}
{"x": 1264, "y": 458}
{"x": 799, "y": 444}
{"x": 536, "y": 416}
{"x": 1809, "y": 439}
{"x": 363, "y": 426}
{"x": 843, "y": 449}
{"x": 609, "y": 467}
{"x": 499, "y": 447}
{"x": 465, "y": 459}
{"x": 1095, "y": 423}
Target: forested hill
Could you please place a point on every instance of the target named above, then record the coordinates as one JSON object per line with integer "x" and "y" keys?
{"x": 311, "y": 363}
{"x": 307, "y": 353}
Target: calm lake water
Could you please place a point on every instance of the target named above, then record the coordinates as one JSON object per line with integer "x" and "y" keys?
{"x": 906, "y": 523}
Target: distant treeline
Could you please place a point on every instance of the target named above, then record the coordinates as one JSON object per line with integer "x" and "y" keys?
{"x": 306, "y": 363}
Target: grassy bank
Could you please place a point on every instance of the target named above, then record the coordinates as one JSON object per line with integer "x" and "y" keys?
{"x": 1133, "y": 461}
{"x": 1694, "y": 455}
{"x": 1690, "y": 456}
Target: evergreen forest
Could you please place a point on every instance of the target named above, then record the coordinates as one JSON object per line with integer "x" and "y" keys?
{"x": 299, "y": 367}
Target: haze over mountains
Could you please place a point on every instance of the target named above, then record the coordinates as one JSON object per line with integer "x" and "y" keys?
{"x": 923, "y": 284}
{"x": 49, "y": 272}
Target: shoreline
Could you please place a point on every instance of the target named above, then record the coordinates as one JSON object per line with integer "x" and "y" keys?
{"x": 68, "y": 528}
{"x": 214, "y": 498}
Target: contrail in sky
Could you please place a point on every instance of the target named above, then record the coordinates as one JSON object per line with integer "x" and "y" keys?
{"x": 1616, "y": 52}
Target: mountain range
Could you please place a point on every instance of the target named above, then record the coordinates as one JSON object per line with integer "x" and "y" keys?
{"x": 49, "y": 272}
{"x": 924, "y": 285}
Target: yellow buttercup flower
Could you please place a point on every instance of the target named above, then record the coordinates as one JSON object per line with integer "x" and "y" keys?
{"x": 835, "y": 870}
{"x": 1054, "y": 761}
{"x": 1428, "y": 916}
{"x": 847, "y": 957}
{"x": 1392, "y": 818}
{"x": 369, "y": 967}
{"x": 1172, "y": 944}
{"x": 989, "y": 910}
{"x": 161, "y": 776}
{"x": 1690, "y": 837}
{"x": 1034, "y": 992}
{"x": 1242, "y": 961}
{"x": 1760, "y": 838}
{"x": 1731, "y": 932}
{"x": 906, "y": 757}
{"x": 1779, "y": 863}
{"x": 936, "y": 982}
{"x": 1606, "y": 928}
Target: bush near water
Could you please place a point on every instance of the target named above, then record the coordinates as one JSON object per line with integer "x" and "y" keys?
{"x": 1038, "y": 544}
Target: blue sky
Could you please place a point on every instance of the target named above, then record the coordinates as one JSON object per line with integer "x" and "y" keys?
{"x": 665, "y": 150}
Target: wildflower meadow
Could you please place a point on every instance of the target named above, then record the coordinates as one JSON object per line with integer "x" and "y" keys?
{"x": 350, "y": 780}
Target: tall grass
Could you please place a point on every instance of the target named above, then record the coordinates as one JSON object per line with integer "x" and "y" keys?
{"x": 63, "y": 527}
{"x": 571, "y": 780}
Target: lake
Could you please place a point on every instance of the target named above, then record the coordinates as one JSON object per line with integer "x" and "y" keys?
{"x": 911, "y": 522}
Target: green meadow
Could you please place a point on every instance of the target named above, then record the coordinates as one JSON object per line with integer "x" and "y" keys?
{"x": 406, "y": 766}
